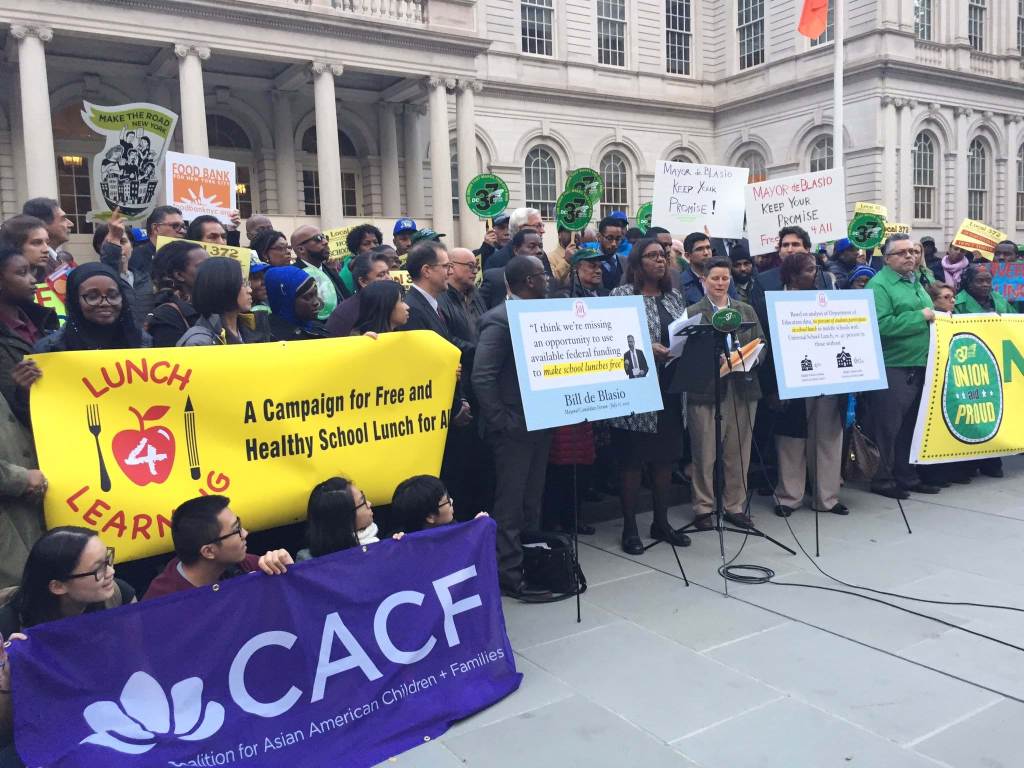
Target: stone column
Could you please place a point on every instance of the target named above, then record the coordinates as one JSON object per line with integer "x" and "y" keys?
{"x": 284, "y": 155}
{"x": 963, "y": 114}
{"x": 193, "y": 98}
{"x": 36, "y": 121}
{"x": 441, "y": 156}
{"x": 391, "y": 193}
{"x": 328, "y": 151}
{"x": 905, "y": 171}
{"x": 470, "y": 229}
{"x": 413, "y": 160}
{"x": 1013, "y": 137}
{"x": 887, "y": 123}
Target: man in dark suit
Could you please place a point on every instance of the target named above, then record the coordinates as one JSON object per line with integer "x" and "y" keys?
{"x": 633, "y": 361}
{"x": 697, "y": 247}
{"x": 521, "y": 457}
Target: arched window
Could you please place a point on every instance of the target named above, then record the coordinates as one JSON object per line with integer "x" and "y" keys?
{"x": 348, "y": 149}
{"x": 683, "y": 157}
{"x": 753, "y": 161}
{"x": 821, "y": 154}
{"x": 224, "y": 132}
{"x": 229, "y": 141}
{"x": 351, "y": 174}
{"x": 923, "y": 160}
{"x": 977, "y": 180}
{"x": 614, "y": 172}
{"x": 541, "y": 187}
{"x": 1020, "y": 184}
{"x": 76, "y": 144}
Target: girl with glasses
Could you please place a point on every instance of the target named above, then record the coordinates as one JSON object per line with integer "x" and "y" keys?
{"x": 339, "y": 517}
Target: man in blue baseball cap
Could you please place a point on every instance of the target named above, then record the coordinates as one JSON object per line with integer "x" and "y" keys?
{"x": 404, "y": 231}
{"x": 843, "y": 262}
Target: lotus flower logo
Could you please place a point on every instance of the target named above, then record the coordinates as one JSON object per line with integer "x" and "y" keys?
{"x": 135, "y": 722}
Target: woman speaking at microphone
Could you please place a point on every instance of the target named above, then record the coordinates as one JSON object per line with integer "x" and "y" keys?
{"x": 740, "y": 393}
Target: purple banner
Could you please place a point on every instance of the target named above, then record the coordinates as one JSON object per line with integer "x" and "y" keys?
{"x": 345, "y": 660}
{"x": 1008, "y": 279}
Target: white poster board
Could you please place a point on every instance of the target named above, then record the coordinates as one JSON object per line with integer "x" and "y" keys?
{"x": 691, "y": 196}
{"x": 200, "y": 186}
{"x": 814, "y": 201}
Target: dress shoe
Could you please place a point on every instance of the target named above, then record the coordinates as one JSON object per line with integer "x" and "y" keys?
{"x": 783, "y": 511}
{"x": 891, "y": 490}
{"x": 992, "y": 471}
{"x": 582, "y": 529}
{"x": 526, "y": 593}
{"x": 704, "y": 522}
{"x": 924, "y": 488}
{"x": 670, "y": 535}
{"x": 740, "y": 520}
{"x": 941, "y": 483}
{"x": 631, "y": 544}
{"x": 961, "y": 479}
{"x": 840, "y": 509}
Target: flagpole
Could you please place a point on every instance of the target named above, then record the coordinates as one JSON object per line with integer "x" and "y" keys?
{"x": 837, "y": 86}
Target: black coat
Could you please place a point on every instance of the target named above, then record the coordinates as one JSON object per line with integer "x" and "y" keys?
{"x": 462, "y": 331}
{"x": 169, "y": 320}
{"x": 140, "y": 264}
{"x": 495, "y": 381}
{"x": 641, "y": 362}
{"x": 13, "y": 348}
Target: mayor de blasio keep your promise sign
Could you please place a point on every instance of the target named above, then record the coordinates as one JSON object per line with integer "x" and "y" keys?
{"x": 125, "y": 436}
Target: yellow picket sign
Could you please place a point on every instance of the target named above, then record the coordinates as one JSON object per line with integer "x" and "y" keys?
{"x": 337, "y": 249}
{"x": 976, "y": 236}
{"x": 872, "y": 208}
{"x": 126, "y": 436}
{"x": 242, "y": 255}
{"x": 401, "y": 277}
{"x": 892, "y": 228}
{"x": 975, "y": 377}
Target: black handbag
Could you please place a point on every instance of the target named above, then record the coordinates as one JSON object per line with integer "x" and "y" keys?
{"x": 549, "y": 562}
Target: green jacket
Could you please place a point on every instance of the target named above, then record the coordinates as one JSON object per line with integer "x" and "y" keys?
{"x": 902, "y": 326}
{"x": 968, "y": 305}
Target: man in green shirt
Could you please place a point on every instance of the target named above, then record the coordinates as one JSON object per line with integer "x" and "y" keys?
{"x": 904, "y": 311}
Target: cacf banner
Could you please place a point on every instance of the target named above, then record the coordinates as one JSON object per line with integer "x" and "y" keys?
{"x": 345, "y": 660}
{"x": 973, "y": 388}
{"x": 126, "y": 436}
{"x": 126, "y": 172}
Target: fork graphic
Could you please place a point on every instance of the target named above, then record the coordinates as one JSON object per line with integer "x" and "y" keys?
{"x": 92, "y": 413}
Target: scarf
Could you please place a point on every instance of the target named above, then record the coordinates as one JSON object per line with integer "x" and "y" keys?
{"x": 283, "y": 284}
{"x": 953, "y": 271}
{"x": 80, "y": 333}
{"x": 368, "y": 535}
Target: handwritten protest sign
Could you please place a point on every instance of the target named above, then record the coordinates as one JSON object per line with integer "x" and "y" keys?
{"x": 690, "y": 196}
{"x": 153, "y": 427}
{"x": 336, "y": 246}
{"x": 242, "y": 255}
{"x": 976, "y": 236}
{"x": 814, "y": 201}
{"x": 200, "y": 186}
{"x": 874, "y": 209}
{"x": 1008, "y": 279}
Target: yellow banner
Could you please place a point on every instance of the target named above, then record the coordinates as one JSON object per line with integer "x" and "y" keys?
{"x": 336, "y": 241}
{"x": 892, "y": 228}
{"x": 873, "y": 208}
{"x": 126, "y": 436}
{"x": 975, "y": 236}
{"x": 242, "y": 255}
{"x": 975, "y": 373}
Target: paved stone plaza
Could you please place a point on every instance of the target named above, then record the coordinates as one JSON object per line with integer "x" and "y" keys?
{"x": 775, "y": 676}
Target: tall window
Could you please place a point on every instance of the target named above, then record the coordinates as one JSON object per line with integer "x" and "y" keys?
{"x": 822, "y": 158}
{"x": 537, "y": 24}
{"x": 830, "y": 27}
{"x": 616, "y": 183}
{"x": 922, "y": 158}
{"x": 456, "y": 192}
{"x": 229, "y": 141}
{"x": 977, "y": 180}
{"x": 677, "y": 36}
{"x": 753, "y": 161}
{"x": 541, "y": 187}
{"x": 611, "y": 32}
{"x": 311, "y": 193}
{"x": 750, "y": 27}
{"x": 348, "y": 194}
{"x": 75, "y": 191}
{"x": 976, "y": 24}
{"x": 1020, "y": 26}
{"x": 923, "y": 19}
{"x": 1020, "y": 184}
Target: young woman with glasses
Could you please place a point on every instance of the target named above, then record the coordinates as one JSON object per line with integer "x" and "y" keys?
{"x": 339, "y": 517}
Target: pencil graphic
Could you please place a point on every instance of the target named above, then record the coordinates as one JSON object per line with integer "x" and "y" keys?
{"x": 190, "y": 439}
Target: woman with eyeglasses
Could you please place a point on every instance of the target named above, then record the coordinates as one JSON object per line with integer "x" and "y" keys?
{"x": 99, "y": 314}
{"x": 655, "y": 439}
{"x": 339, "y": 517}
{"x": 224, "y": 300}
{"x": 272, "y": 247}
{"x": 174, "y": 275}
{"x": 382, "y": 308}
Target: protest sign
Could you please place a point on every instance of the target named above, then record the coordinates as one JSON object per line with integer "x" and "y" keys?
{"x": 873, "y": 209}
{"x": 825, "y": 342}
{"x": 242, "y": 255}
{"x": 200, "y": 186}
{"x": 1008, "y": 279}
{"x": 587, "y": 182}
{"x": 691, "y": 196}
{"x": 573, "y": 211}
{"x": 401, "y": 276}
{"x": 126, "y": 172}
{"x": 975, "y": 375}
{"x": 53, "y": 292}
{"x": 583, "y": 359}
{"x": 814, "y": 201}
{"x": 643, "y": 216}
{"x": 487, "y": 195}
{"x": 336, "y": 246}
{"x": 346, "y": 660}
{"x": 894, "y": 228}
{"x": 976, "y": 236}
{"x": 376, "y": 410}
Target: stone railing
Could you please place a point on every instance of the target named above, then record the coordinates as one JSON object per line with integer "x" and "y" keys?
{"x": 930, "y": 54}
{"x": 405, "y": 11}
{"x": 983, "y": 63}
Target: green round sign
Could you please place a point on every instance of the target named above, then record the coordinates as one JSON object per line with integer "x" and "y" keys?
{"x": 643, "y": 216}
{"x": 588, "y": 182}
{"x": 972, "y": 394}
{"x": 573, "y": 210}
{"x": 487, "y": 195}
{"x": 866, "y": 230}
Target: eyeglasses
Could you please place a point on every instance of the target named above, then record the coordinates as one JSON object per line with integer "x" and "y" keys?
{"x": 613, "y": 238}
{"x": 236, "y": 531}
{"x": 285, "y": 247}
{"x": 655, "y": 256}
{"x": 447, "y": 267}
{"x": 94, "y": 298}
{"x": 907, "y": 252}
{"x": 470, "y": 265}
{"x": 363, "y": 502}
{"x": 321, "y": 238}
{"x": 542, "y": 273}
{"x": 178, "y": 226}
{"x": 445, "y": 502}
{"x": 99, "y": 572}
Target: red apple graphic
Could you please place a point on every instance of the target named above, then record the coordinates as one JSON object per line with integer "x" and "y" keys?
{"x": 146, "y": 454}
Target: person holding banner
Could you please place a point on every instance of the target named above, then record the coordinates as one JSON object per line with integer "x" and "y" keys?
{"x": 952, "y": 266}
{"x": 904, "y": 311}
{"x": 294, "y": 305}
{"x": 651, "y": 438}
{"x": 220, "y": 297}
{"x": 381, "y": 309}
{"x": 366, "y": 268}
{"x": 174, "y": 273}
{"x": 207, "y": 229}
{"x": 339, "y": 517}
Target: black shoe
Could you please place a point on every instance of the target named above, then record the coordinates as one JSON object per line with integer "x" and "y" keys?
{"x": 739, "y": 520}
{"x": 526, "y": 593}
{"x": 704, "y": 522}
{"x": 592, "y": 495}
{"x": 924, "y": 488}
{"x": 891, "y": 490}
{"x": 840, "y": 509}
{"x": 582, "y": 529}
{"x": 941, "y": 483}
{"x": 992, "y": 471}
{"x": 961, "y": 479}
{"x": 670, "y": 535}
{"x": 783, "y": 511}
{"x": 631, "y": 544}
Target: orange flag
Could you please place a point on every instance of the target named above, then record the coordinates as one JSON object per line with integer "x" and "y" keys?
{"x": 813, "y": 19}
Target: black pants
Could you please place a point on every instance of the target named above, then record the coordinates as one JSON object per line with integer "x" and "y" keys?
{"x": 890, "y": 417}
{"x": 520, "y": 462}
{"x": 467, "y": 471}
{"x": 558, "y": 495}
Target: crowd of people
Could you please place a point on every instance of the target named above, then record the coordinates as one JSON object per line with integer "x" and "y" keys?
{"x": 134, "y": 295}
